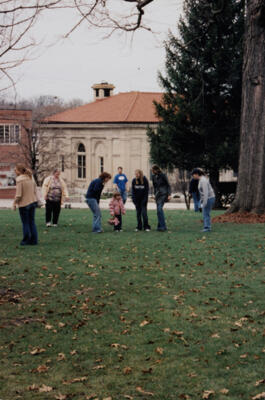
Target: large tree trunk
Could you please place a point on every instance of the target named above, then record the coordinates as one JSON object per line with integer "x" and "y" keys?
{"x": 250, "y": 194}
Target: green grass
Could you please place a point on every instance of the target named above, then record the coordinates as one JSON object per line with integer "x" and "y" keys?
{"x": 83, "y": 298}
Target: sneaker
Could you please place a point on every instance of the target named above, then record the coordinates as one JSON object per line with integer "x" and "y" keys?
{"x": 136, "y": 230}
{"x": 48, "y": 224}
{"x": 206, "y": 230}
{"x": 55, "y": 225}
{"x": 147, "y": 230}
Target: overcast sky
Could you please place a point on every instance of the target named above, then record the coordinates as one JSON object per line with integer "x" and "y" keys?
{"x": 69, "y": 67}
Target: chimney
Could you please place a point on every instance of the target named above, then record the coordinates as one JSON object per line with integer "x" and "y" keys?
{"x": 102, "y": 90}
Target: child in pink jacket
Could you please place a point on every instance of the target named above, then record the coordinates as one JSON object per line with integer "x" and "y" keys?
{"x": 116, "y": 207}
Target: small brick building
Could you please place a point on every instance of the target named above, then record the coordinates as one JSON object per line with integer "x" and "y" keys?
{"x": 13, "y": 145}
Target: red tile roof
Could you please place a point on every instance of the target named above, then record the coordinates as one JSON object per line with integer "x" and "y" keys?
{"x": 124, "y": 108}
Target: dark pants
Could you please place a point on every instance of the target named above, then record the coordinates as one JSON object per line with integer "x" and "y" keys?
{"x": 27, "y": 216}
{"x": 141, "y": 211}
{"x": 53, "y": 209}
{"x": 196, "y": 201}
{"x": 119, "y": 226}
{"x": 161, "y": 222}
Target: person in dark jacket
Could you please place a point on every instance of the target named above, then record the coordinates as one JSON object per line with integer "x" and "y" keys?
{"x": 162, "y": 195}
{"x": 93, "y": 197}
{"x": 194, "y": 192}
{"x": 140, "y": 190}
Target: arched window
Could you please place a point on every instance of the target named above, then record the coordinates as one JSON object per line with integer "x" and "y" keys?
{"x": 81, "y": 161}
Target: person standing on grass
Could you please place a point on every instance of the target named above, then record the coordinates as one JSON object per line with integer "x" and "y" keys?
{"x": 54, "y": 192}
{"x": 120, "y": 184}
{"x": 140, "y": 191}
{"x": 195, "y": 194}
{"x": 162, "y": 195}
{"x": 26, "y": 201}
{"x": 93, "y": 197}
{"x": 116, "y": 207}
{"x": 207, "y": 197}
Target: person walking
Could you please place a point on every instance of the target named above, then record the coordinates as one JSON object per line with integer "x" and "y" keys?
{"x": 93, "y": 197}
{"x": 116, "y": 207}
{"x": 162, "y": 195}
{"x": 54, "y": 192}
{"x": 207, "y": 197}
{"x": 140, "y": 191}
{"x": 195, "y": 194}
{"x": 120, "y": 184}
{"x": 26, "y": 201}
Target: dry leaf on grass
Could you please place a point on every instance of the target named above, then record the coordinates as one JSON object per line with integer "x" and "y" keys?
{"x": 82, "y": 379}
{"x": 143, "y": 323}
{"x": 61, "y": 357}
{"x": 60, "y": 396}
{"x": 44, "y": 389}
{"x": 159, "y": 350}
{"x": 107, "y": 398}
{"x": 40, "y": 369}
{"x": 260, "y": 382}
{"x": 224, "y": 391}
{"x": 259, "y": 396}
{"x": 143, "y": 392}
{"x": 48, "y": 326}
{"x": 127, "y": 371}
{"x": 207, "y": 394}
{"x": 36, "y": 351}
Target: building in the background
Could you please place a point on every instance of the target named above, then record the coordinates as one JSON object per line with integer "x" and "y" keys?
{"x": 13, "y": 136}
{"x": 104, "y": 134}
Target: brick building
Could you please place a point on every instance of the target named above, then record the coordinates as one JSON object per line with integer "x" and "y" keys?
{"x": 13, "y": 139}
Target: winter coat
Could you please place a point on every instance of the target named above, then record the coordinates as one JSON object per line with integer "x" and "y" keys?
{"x": 46, "y": 187}
{"x": 26, "y": 191}
{"x": 162, "y": 187}
{"x": 116, "y": 207}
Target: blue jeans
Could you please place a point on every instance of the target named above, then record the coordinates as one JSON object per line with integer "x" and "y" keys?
{"x": 161, "y": 225}
{"x": 196, "y": 201}
{"x": 123, "y": 196}
{"x": 206, "y": 214}
{"x": 27, "y": 216}
{"x": 94, "y": 207}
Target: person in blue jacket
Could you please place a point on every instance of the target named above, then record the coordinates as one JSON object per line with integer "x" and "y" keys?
{"x": 93, "y": 197}
{"x": 120, "y": 182}
{"x": 195, "y": 194}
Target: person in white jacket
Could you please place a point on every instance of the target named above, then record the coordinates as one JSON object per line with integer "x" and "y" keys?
{"x": 207, "y": 197}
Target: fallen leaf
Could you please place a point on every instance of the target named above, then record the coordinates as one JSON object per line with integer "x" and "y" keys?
{"x": 61, "y": 357}
{"x": 40, "y": 369}
{"x": 33, "y": 387}
{"x": 143, "y": 323}
{"x": 259, "y": 396}
{"x": 224, "y": 391}
{"x": 260, "y": 382}
{"x": 48, "y": 326}
{"x": 107, "y": 398}
{"x": 36, "y": 351}
{"x": 207, "y": 393}
{"x": 99, "y": 367}
{"x": 60, "y": 396}
{"x": 75, "y": 380}
{"x": 127, "y": 371}
{"x": 159, "y": 350}
{"x": 44, "y": 389}
{"x": 178, "y": 333}
{"x": 61, "y": 324}
{"x": 215, "y": 335}
{"x": 143, "y": 392}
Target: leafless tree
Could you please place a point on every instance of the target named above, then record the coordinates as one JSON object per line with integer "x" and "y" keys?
{"x": 18, "y": 17}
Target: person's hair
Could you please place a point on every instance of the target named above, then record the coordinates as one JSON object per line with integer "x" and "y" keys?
{"x": 140, "y": 172}
{"x": 155, "y": 168}
{"x": 105, "y": 175}
{"x": 197, "y": 171}
{"x": 116, "y": 194}
{"x": 55, "y": 170}
{"x": 24, "y": 170}
{"x": 119, "y": 168}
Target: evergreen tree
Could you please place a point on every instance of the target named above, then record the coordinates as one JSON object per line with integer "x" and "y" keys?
{"x": 200, "y": 111}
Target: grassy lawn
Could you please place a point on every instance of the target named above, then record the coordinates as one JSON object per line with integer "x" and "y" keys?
{"x": 176, "y": 315}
